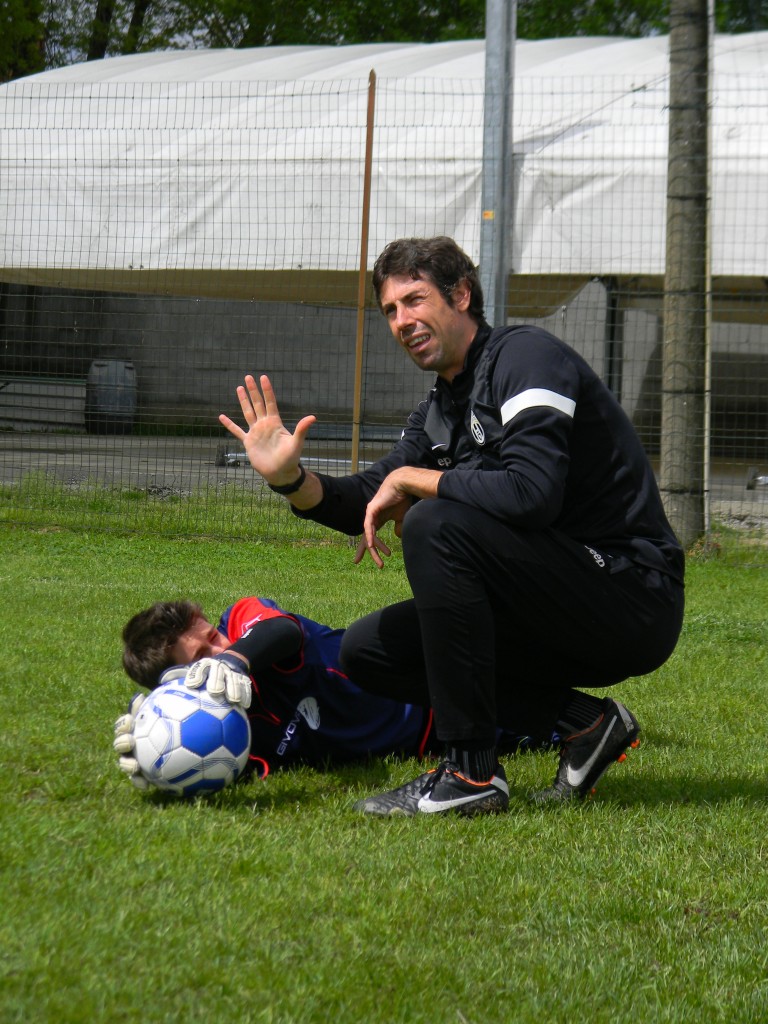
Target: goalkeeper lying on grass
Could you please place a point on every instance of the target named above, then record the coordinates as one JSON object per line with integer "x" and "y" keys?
{"x": 284, "y": 669}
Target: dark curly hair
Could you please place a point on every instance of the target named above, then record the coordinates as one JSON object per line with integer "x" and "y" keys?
{"x": 439, "y": 260}
{"x": 149, "y": 636}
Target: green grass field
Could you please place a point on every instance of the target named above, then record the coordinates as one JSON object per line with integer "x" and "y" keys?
{"x": 275, "y": 903}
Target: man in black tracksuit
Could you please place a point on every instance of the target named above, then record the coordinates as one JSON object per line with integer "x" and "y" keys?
{"x": 534, "y": 539}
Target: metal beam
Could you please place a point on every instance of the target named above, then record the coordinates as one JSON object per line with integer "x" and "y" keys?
{"x": 497, "y": 197}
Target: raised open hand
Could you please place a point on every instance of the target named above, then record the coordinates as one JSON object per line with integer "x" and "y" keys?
{"x": 271, "y": 448}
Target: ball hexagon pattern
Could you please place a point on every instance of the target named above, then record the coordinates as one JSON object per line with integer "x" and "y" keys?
{"x": 188, "y": 742}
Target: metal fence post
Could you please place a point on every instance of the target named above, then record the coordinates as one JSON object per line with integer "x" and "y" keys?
{"x": 495, "y": 225}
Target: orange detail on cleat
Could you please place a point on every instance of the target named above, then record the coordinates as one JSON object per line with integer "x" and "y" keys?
{"x": 633, "y": 746}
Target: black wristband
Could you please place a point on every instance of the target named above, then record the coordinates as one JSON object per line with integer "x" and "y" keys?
{"x": 290, "y": 488}
{"x": 233, "y": 661}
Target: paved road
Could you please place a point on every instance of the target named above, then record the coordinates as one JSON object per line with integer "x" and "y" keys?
{"x": 141, "y": 462}
{"x": 186, "y": 465}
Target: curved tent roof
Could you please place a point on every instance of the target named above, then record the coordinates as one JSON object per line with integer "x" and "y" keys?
{"x": 578, "y": 56}
{"x": 239, "y": 172}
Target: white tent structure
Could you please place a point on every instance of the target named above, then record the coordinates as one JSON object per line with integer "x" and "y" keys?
{"x": 240, "y": 172}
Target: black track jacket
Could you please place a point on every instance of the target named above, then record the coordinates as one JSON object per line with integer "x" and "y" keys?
{"x": 528, "y": 433}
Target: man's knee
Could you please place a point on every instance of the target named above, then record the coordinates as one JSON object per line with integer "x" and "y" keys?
{"x": 435, "y": 520}
{"x": 353, "y": 643}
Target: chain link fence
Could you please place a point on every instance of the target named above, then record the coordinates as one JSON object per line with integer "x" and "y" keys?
{"x": 162, "y": 240}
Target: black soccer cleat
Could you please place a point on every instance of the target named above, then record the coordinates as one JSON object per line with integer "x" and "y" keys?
{"x": 449, "y": 790}
{"x": 396, "y": 803}
{"x": 440, "y": 790}
{"x": 588, "y": 754}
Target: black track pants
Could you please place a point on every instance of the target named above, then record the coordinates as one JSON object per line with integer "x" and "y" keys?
{"x": 505, "y": 622}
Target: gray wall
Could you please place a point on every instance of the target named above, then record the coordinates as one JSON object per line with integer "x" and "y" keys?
{"x": 190, "y": 354}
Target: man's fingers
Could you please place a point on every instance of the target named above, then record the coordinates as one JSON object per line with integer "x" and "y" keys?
{"x": 255, "y": 396}
{"x": 302, "y": 427}
{"x": 250, "y": 401}
{"x": 270, "y": 402}
{"x": 373, "y": 547}
{"x": 232, "y": 427}
{"x": 377, "y": 559}
{"x": 362, "y": 547}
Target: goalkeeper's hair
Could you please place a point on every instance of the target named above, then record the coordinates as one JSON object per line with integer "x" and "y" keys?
{"x": 150, "y": 635}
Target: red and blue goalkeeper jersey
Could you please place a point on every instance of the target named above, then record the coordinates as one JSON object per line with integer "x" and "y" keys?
{"x": 305, "y": 709}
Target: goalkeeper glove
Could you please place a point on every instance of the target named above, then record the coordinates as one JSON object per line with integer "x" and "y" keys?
{"x": 124, "y": 743}
{"x": 223, "y": 674}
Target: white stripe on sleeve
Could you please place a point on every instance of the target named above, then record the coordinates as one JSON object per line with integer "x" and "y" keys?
{"x": 533, "y": 397}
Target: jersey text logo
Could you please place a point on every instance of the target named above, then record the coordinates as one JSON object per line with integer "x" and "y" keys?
{"x": 309, "y": 710}
{"x": 597, "y": 557}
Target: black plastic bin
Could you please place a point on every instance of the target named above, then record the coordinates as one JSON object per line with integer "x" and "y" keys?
{"x": 110, "y": 397}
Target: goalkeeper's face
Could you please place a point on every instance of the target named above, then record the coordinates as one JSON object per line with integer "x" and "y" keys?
{"x": 201, "y": 640}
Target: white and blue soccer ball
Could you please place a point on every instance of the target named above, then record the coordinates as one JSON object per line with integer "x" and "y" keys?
{"x": 188, "y": 742}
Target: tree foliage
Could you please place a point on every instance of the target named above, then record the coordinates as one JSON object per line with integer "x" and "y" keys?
{"x": 537, "y": 20}
{"x": 741, "y": 15}
{"x": 21, "y": 38}
{"x": 49, "y": 33}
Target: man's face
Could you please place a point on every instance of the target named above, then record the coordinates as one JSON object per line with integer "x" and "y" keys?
{"x": 434, "y": 333}
{"x": 201, "y": 640}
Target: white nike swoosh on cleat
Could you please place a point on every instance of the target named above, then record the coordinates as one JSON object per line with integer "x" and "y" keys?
{"x": 576, "y": 776}
{"x": 431, "y": 806}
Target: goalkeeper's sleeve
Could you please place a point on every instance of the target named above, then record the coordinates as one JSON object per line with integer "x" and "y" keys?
{"x": 268, "y": 642}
